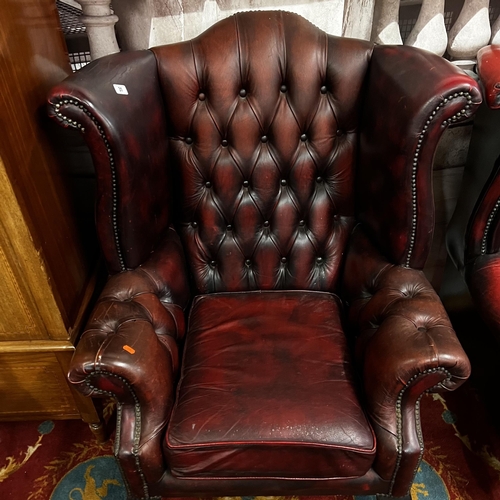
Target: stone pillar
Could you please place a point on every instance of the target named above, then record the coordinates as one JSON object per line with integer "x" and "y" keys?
{"x": 386, "y": 23}
{"x": 470, "y": 32}
{"x": 100, "y": 24}
{"x": 146, "y": 23}
{"x": 429, "y": 31}
{"x": 358, "y": 18}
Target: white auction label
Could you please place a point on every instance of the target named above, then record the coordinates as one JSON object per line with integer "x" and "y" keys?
{"x": 120, "y": 89}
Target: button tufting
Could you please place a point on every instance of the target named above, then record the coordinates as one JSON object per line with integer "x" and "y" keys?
{"x": 245, "y": 183}
{"x": 202, "y": 96}
{"x": 212, "y": 263}
{"x": 283, "y": 88}
{"x": 189, "y": 140}
{"x": 340, "y": 132}
{"x": 263, "y": 138}
{"x": 301, "y": 222}
{"x": 229, "y": 227}
{"x": 319, "y": 179}
{"x": 243, "y": 93}
{"x": 208, "y": 184}
{"x": 283, "y": 259}
{"x": 248, "y": 262}
{"x": 224, "y": 143}
{"x": 266, "y": 223}
{"x": 283, "y": 182}
{"x": 323, "y": 89}
{"x": 194, "y": 224}
{"x": 319, "y": 260}
{"x": 303, "y": 137}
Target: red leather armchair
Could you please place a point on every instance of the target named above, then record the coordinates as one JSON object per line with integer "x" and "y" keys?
{"x": 265, "y": 209}
{"x": 473, "y": 236}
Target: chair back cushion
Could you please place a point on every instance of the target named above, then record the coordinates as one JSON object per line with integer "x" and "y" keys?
{"x": 263, "y": 112}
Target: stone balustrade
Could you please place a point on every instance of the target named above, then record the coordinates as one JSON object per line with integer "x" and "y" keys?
{"x": 147, "y": 23}
{"x": 470, "y": 32}
{"x": 99, "y": 22}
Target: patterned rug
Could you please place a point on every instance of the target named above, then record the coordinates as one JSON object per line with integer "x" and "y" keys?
{"x": 60, "y": 460}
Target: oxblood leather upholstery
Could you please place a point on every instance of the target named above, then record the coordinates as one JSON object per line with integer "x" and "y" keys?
{"x": 272, "y": 415}
{"x": 290, "y": 172}
{"x": 473, "y": 237}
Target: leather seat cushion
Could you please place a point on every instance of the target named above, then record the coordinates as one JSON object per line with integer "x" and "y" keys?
{"x": 267, "y": 391}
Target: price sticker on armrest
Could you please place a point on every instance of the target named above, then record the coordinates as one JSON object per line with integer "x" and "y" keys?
{"x": 129, "y": 349}
{"x": 120, "y": 89}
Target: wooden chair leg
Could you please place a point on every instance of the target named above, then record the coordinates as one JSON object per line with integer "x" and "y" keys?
{"x": 99, "y": 431}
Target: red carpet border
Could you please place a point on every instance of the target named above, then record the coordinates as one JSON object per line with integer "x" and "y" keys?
{"x": 60, "y": 460}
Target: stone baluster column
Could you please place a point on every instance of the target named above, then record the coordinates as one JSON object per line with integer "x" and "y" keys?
{"x": 386, "y": 23}
{"x": 358, "y": 18}
{"x": 470, "y": 32}
{"x": 100, "y": 24}
{"x": 495, "y": 32}
{"x": 429, "y": 31}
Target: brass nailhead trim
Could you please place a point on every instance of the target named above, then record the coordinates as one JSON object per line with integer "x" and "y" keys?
{"x": 458, "y": 116}
{"x": 488, "y": 226}
{"x": 119, "y": 411}
{"x": 399, "y": 420}
{"x": 138, "y": 419}
{"x": 114, "y": 183}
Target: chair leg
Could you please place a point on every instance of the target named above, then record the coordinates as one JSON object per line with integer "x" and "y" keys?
{"x": 99, "y": 432}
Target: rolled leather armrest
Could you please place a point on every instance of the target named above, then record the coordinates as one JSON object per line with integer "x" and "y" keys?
{"x": 123, "y": 340}
{"x": 136, "y": 324}
{"x": 116, "y": 352}
{"x": 115, "y": 359}
{"x": 405, "y": 346}
{"x": 488, "y": 68}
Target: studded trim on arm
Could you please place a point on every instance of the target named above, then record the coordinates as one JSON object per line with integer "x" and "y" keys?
{"x": 68, "y": 122}
{"x": 487, "y": 228}
{"x": 453, "y": 119}
{"x": 137, "y": 424}
{"x": 399, "y": 418}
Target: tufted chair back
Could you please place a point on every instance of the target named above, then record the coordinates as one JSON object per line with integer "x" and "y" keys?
{"x": 266, "y": 139}
{"x": 263, "y": 135}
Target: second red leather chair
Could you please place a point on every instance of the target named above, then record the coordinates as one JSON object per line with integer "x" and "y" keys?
{"x": 473, "y": 236}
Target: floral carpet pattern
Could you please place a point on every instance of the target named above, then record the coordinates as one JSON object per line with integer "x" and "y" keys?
{"x": 60, "y": 460}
